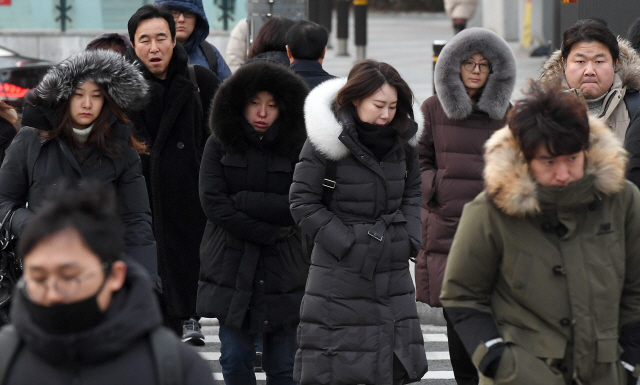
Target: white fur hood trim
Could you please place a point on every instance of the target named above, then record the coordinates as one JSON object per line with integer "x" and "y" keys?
{"x": 324, "y": 129}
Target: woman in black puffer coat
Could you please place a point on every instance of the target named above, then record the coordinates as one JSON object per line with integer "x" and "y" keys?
{"x": 74, "y": 129}
{"x": 359, "y": 323}
{"x": 252, "y": 270}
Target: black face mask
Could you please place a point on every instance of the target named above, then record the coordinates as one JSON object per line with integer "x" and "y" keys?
{"x": 65, "y": 318}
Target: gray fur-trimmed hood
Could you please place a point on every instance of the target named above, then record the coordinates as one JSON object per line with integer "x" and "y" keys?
{"x": 121, "y": 79}
{"x": 324, "y": 129}
{"x": 627, "y": 70}
{"x": 496, "y": 94}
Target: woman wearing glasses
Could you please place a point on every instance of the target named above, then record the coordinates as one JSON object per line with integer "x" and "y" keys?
{"x": 474, "y": 79}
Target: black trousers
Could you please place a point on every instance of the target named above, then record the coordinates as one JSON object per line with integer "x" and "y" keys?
{"x": 464, "y": 370}
{"x": 173, "y": 323}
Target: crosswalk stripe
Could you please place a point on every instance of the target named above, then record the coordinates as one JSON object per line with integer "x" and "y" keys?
{"x": 435, "y": 338}
{"x": 434, "y": 356}
{"x": 210, "y": 356}
{"x": 214, "y": 338}
{"x": 439, "y": 375}
{"x": 259, "y": 376}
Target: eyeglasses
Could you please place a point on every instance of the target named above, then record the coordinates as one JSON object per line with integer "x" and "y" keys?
{"x": 67, "y": 287}
{"x": 471, "y": 66}
{"x": 187, "y": 14}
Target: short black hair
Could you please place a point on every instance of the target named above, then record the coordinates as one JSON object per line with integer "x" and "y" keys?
{"x": 147, "y": 12}
{"x": 90, "y": 209}
{"x": 307, "y": 40}
{"x": 589, "y": 30}
{"x": 550, "y": 117}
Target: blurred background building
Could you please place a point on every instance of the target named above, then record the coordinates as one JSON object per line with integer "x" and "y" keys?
{"x": 96, "y": 15}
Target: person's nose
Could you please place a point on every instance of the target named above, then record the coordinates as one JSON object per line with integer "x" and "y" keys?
{"x": 385, "y": 113}
{"x": 154, "y": 46}
{"x": 180, "y": 18}
{"x": 589, "y": 69}
{"x": 86, "y": 101}
{"x": 476, "y": 68}
{"x": 51, "y": 295}
{"x": 562, "y": 174}
{"x": 262, "y": 111}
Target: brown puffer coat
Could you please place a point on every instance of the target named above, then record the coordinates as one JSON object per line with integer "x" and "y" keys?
{"x": 451, "y": 165}
{"x": 451, "y": 147}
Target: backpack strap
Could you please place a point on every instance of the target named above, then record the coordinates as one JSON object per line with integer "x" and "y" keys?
{"x": 10, "y": 342}
{"x": 165, "y": 347}
{"x": 210, "y": 55}
{"x": 632, "y": 101}
{"x": 194, "y": 80}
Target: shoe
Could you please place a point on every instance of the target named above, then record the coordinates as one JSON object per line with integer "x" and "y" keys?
{"x": 257, "y": 362}
{"x": 191, "y": 333}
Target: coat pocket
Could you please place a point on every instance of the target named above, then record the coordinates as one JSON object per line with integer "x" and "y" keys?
{"x": 518, "y": 367}
{"x": 607, "y": 349}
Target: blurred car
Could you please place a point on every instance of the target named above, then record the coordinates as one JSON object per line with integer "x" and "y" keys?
{"x": 18, "y": 74}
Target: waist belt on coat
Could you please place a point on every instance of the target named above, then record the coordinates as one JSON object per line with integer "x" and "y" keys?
{"x": 376, "y": 234}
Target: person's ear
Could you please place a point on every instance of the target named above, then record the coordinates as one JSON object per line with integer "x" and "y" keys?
{"x": 116, "y": 277}
{"x": 289, "y": 55}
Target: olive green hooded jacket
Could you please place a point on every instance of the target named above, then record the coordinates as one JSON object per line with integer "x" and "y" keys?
{"x": 554, "y": 271}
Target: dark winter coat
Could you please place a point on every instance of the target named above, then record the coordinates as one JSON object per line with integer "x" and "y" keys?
{"x": 116, "y": 351}
{"x": 451, "y": 146}
{"x": 7, "y": 133}
{"x": 33, "y": 166}
{"x": 310, "y": 71}
{"x": 358, "y": 311}
{"x": 279, "y": 57}
{"x": 199, "y": 34}
{"x": 175, "y": 129}
{"x": 554, "y": 271}
{"x": 251, "y": 256}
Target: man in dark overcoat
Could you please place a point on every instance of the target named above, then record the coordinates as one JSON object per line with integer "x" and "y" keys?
{"x": 174, "y": 127}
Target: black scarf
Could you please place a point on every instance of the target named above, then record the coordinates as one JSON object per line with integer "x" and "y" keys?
{"x": 378, "y": 139}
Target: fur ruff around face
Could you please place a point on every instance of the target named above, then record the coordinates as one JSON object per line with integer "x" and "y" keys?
{"x": 513, "y": 189}
{"x": 324, "y": 129}
{"x": 289, "y": 92}
{"x": 500, "y": 83}
{"x": 628, "y": 68}
{"x": 122, "y": 80}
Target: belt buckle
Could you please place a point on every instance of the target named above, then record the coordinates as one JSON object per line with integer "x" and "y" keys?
{"x": 374, "y": 235}
{"x": 329, "y": 183}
